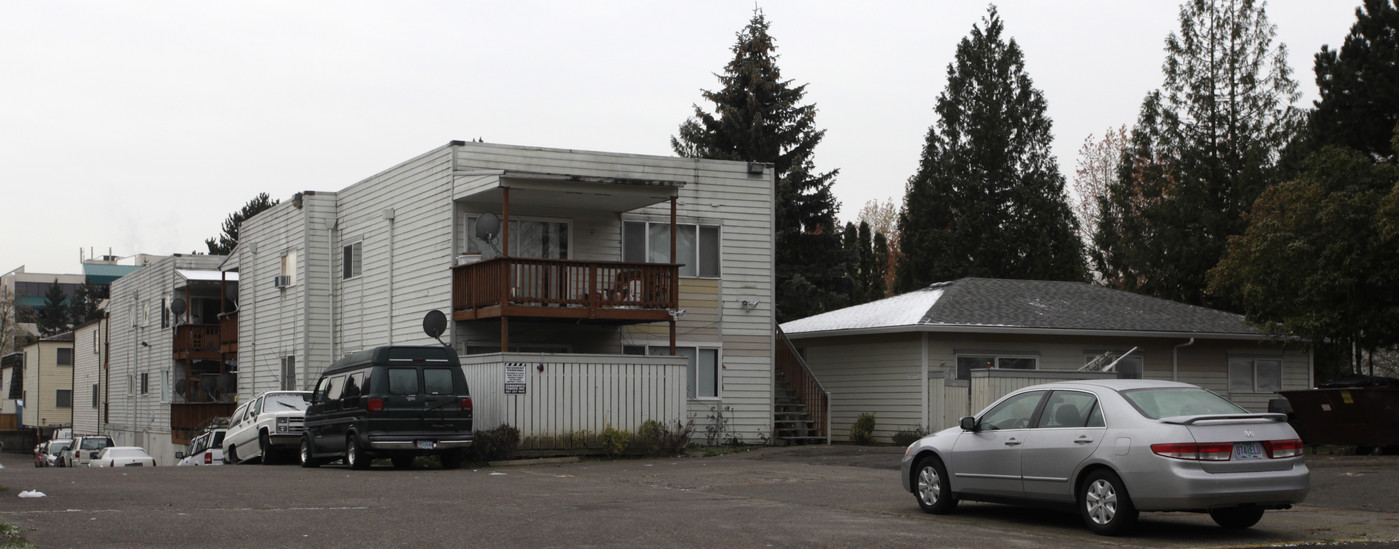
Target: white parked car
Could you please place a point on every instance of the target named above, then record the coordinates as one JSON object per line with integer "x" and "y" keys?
{"x": 84, "y": 449}
{"x": 205, "y": 449}
{"x": 122, "y": 456}
{"x": 266, "y": 427}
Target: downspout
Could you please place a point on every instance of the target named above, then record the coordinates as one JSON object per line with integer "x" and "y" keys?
{"x": 1175, "y": 359}
{"x": 330, "y": 280}
{"x": 923, "y": 382}
{"x": 300, "y": 371}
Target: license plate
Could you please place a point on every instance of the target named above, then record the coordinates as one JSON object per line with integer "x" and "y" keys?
{"x": 424, "y": 444}
{"x": 1248, "y": 450}
{"x": 133, "y": 465}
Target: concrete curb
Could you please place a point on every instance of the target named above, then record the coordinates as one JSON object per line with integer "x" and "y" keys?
{"x": 538, "y": 461}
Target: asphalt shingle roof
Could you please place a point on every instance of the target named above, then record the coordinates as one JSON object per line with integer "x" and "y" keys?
{"x": 1028, "y": 305}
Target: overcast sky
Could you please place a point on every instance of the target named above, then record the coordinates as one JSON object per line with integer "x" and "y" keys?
{"x": 136, "y": 127}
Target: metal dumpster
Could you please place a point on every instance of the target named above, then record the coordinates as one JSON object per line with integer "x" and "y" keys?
{"x": 1360, "y": 411}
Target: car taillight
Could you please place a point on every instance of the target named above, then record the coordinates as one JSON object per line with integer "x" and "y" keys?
{"x": 466, "y": 404}
{"x": 376, "y": 404}
{"x": 1211, "y": 451}
{"x": 208, "y": 458}
{"x": 1283, "y": 448}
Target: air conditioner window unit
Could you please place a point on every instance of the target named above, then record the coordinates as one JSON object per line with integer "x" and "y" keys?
{"x": 281, "y": 281}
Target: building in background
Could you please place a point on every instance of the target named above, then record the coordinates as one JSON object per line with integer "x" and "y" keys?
{"x": 565, "y": 278}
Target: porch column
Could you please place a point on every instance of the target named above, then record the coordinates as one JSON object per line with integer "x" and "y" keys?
{"x": 505, "y": 251}
{"x": 673, "y": 290}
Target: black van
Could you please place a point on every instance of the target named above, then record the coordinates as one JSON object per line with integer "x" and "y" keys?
{"x": 395, "y": 402}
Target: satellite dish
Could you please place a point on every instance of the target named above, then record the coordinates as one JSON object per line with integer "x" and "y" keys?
{"x": 434, "y": 323}
{"x": 230, "y": 292}
{"x": 177, "y": 306}
{"x": 487, "y": 226}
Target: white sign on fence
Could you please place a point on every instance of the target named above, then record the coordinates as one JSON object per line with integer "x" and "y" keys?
{"x": 515, "y": 378}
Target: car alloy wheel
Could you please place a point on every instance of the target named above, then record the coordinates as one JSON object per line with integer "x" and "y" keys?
{"x": 306, "y": 459}
{"x": 354, "y": 457}
{"x": 931, "y": 488}
{"x": 1104, "y": 504}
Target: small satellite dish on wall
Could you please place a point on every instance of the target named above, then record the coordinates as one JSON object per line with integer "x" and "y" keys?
{"x": 177, "y": 306}
{"x": 230, "y": 292}
{"x": 487, "y": 226}
{"x": 434, "y": 323}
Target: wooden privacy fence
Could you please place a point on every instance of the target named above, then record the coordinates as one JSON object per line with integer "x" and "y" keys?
{"x": 950, "y": 400}
{"x": 565, "y": 401}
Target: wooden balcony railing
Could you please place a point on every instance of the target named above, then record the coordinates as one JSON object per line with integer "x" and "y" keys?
{"x": 228, "y": 332}
{"x": 557, "y": 288}
{"x": 196, "y": 339}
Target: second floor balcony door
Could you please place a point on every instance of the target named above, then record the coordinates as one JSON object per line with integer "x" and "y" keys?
{"x": 540, "y": 239}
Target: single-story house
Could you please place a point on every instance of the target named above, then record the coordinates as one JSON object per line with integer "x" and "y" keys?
{"x": 927, "y": 357}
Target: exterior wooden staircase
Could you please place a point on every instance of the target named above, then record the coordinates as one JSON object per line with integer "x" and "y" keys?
{"x": 801, "y": 407}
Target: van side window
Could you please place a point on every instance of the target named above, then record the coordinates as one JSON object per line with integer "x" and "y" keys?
{"x": 353, "y": 385}
{"x": 437, "y": 381}
{"x": 403, "y": 381}
{"x": 334, "y": 387}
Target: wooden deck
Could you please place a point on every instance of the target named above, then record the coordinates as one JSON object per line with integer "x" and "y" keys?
{"x": 605, "y": 291}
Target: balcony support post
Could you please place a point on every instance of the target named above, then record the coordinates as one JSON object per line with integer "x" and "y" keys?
{"x": 672, "y": 262}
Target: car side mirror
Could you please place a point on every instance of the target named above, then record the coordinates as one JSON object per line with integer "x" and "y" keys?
{"x": 179, "y": 455}
{"x": 968, "y": 423}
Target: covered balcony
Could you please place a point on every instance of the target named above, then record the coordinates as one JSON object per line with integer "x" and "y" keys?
{"x": 544, "y": 279}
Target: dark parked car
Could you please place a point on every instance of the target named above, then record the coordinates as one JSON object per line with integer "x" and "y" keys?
{"x": 396, "y": 402}
{"x": 1111, "y": 448}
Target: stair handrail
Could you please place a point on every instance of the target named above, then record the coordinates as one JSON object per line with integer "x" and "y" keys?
{"x": 809, "y": 389}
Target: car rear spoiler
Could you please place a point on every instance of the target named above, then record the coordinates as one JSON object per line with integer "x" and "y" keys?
{"x": 1191, "y": 420}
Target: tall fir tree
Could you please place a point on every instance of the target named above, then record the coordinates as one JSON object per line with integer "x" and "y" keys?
{"x": 228, "y": 239}
{"x": 1359, "y": 83}
{"x": 53, "y": 319}
{"x": 83, "y": 306}
{"x": 758, "y": 117}
{"x": 1204, "y": 146}
{"x": 988, "y": 199}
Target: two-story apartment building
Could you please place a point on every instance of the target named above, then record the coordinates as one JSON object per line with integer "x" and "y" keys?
{"x": 89, "y": 356}
{"x": 583, "y": 289}
{"x": 168, "y": 371}
{"x": 48, "y": 381}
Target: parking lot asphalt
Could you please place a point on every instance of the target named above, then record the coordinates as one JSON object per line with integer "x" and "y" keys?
{"x": 807, "y": 496}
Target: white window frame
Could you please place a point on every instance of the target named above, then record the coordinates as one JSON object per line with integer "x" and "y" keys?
{"x": 1248, "y": 366}
{"x": 695, "y": 269}
{"x": 288, "y": 373}
{"x": 996, "y": 359}
{"x": 664, "y": 350}
{"x": 355, "y": 262}
{"x": 469, "y": 240}
{"x": 288, "y": 269}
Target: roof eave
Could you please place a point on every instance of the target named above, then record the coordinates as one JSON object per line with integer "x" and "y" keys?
{"x": 1021, "y": 330}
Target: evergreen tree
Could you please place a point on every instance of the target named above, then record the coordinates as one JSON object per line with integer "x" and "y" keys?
{"x": 82, "y": 307}
{"x": 53, "y": 319}
{"x": 758, "y": 117}
{"x": 988, "y": 199}
{"x": 9, "y": 322}
{"x": 1359, "y": 84}
{"x": 1318, "y": 259}
{"x": 1204, "y": 147}
{"x": 225, "y": 242}
{"x": 850, "y": 240}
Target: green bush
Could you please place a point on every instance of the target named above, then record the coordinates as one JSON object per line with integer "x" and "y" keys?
{"x": 615, "y": 441}
{"x": 496, "y": 444}
{"x": 863, "y": 430}
{"x": 905, "y": 437}
{"x": 655, "y": 439}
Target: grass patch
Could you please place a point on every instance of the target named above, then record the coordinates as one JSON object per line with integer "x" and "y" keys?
{"x": 12, "y": 537}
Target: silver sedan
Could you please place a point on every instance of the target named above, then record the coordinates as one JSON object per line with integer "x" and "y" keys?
{"x": 1112, "y": 448}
